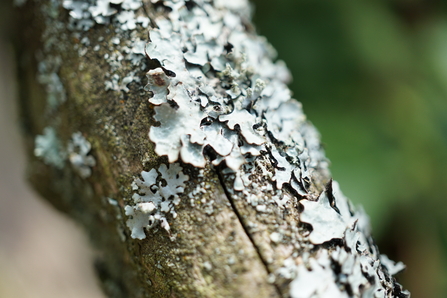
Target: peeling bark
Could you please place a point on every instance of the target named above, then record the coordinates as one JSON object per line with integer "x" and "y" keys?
{"x": 217, "y": 106}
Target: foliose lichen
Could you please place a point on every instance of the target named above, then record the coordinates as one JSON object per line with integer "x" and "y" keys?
{"x": 206, "y": 91}
{"x": 48, "y": 147}
{"x": 125, "y": 16}
{"x": 52, "y": 151}
{"x": 85, "y": 13}
{"x": 48, "y": 69}
{"x": 78, "y": 149}
{"x": 219, "y": 89}
{"x": 361, "y": 269}
{"x": 156, "y": 196}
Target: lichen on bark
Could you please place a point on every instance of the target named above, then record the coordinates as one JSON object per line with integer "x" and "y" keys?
{"x": 155, "y": 82}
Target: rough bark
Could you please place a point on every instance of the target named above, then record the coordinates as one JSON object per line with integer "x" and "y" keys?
{"x": 236, "y": 229}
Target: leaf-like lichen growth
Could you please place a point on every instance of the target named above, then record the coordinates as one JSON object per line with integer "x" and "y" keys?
{"x": 362, "y": 269}
{"x": 78, "y": 149}
{"x": 49, "y": 148}
{"x": 154, "y": 199}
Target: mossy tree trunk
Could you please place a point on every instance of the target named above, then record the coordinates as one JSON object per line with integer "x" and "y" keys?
{"x": 91, "y": 131}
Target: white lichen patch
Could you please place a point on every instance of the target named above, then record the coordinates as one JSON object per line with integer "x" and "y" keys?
{"x": 319, "y": 281}
{"x": 125, "y": 51}
{"x": 156, "y": 196}
{"x": 49, "y": 61}
{"x": 329, "y": 216}
{"x": 78, "y": 149}
{"x": 51, "y": 150}
{"x": 48, "y": 147}
{"x": 125, "y": 16}
{"x": 218, "y": 88}
{"x": 85, "y": 13}
{"x": 193, "y": 105}
{"x": 48, "y": 69}
{"x": 361, "y": 269}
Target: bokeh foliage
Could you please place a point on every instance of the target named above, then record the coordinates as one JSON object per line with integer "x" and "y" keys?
{"x": 372, "y": 76}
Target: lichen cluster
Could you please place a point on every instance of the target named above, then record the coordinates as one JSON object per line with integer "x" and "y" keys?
{"x": 216, "y": 88}
{"x": 155, "y": 199}
{"x": 78, "y": 153}
{"x": 220, "y": 100}
{"x": 361, "y": 270}
{"x": 214, "y": 85}
{"x": 50, "y": 149}
{"x": 85, "y": 13}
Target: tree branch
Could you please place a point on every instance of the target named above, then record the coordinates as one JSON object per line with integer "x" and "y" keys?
{"x": 209, "y": 181}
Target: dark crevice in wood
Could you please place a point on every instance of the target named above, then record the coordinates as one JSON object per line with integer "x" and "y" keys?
{"x": 246, "y": 229}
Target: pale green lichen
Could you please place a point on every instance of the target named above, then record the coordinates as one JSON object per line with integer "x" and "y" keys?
{"x": 362, "y": 269}
{"x": 78, "y": 149}
{"x": 48, "y": 147}
{"x": 153, "y": 199}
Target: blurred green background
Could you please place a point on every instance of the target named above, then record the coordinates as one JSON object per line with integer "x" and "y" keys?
{"x": 372, "y": 77}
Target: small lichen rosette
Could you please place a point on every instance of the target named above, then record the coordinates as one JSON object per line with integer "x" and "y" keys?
{"x": 155, "y": 197}
{"x": 49, "y": 148}
{"x": 78, "y": 153}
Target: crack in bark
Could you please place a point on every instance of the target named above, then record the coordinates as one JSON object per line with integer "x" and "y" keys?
{"x": 244, "y": 226}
